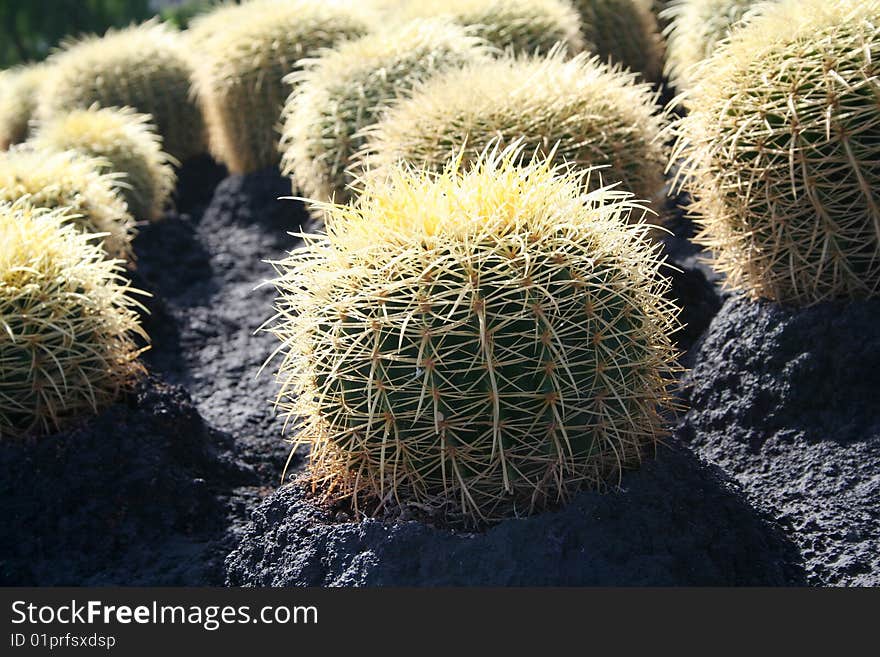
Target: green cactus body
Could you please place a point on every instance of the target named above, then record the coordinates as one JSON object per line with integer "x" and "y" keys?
{"x": 239, "y": 79}
{"x": 68, "y": 323}
{"x": 779, "y": 149}
{"x": 127, "y": 142}
{"x": 593, "y": 115}
{"x": 345, "y": 90}
{"x": 18, "y": 101}
{"x": 52, "y": 179}
{"x": 623, "y": 32}
{"x": 525, "y": 26}
{"x": 146, "y": 67}
{"x": 484, "y": 343}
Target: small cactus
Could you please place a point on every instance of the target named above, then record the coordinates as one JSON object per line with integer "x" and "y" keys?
{"x": 623, "y": 32}
{"x": 694, "y": 29}
{"x": 128, "y": 142}
{"x": 592, "y": 114}
{"x": 481, "y": 343}
{"x": 146, "y": 67}
{"x": 526, "y": 26}
{"x": 780, "y": 151}
{"x": 239, "y": 78}
{"x": 344, "y": 90}
{"x": 18, "y": 102}
{"x": 68, "y": 323}
{"x": 70, "y": 180}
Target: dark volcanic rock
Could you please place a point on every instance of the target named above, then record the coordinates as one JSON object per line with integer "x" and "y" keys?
{"x": 674, "y": 522}
{"x": 196, "y": 180}
{"x": 129, "y": 497}
{"x": 788, "y": 403}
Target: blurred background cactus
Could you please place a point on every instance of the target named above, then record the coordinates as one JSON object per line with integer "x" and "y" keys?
{"x": 526, "y": 26}
{"x": 127, "y": 142}
{"x": 73, "y": 181}
{"x": 482, "y": 343}
{"x": 241, "y": 67}
{"x": 145, "y": 67}
{"x": 18, "y": 101}
{"x": 345, "y": 90}
{"x": 592, "y": 114}
{"x": 69, "y": 329}
{"x": 780, "y": 151}
{"x": 623, "y": 32}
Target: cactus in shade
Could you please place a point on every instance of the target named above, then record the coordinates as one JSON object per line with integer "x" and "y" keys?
{"x": 694, "y": 29}
{"x": 146, "y": 67}
{"x": 481, "y": 343}
{"x": 343, "y": 91}
{"x": 780, "y": 151}
{"x": 69, "y": 330}
{"x": 18, "y": 101}
{"x": 623, "y": 32}
{"x": 239, "y": 78}
{"x": 127, "y": 142}
{"x": 70, "y": 180}
{"x": 590, "y": 113}
{"x": 526, "y": 26}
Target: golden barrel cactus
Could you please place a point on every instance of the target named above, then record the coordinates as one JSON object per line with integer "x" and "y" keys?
{"x": 18, "y": 102}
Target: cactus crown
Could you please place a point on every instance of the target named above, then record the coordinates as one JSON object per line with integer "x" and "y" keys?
{"x": 345, "y": 89}
{"x": 68, "y": 179}
{"x": 239, "y": 78}
{"x": 592, "y": 114}
{"x": 693, "y": 31}
{"x": 128, "y": 142}
{"x": 67, "y": 323}
{"x": 145, "y": 67}
{"x": 18, "y": 101}
{"x": 482, "y": 342}
{"x": 526, "y": 26}
{"x": 780, "y": 147}
{"x": 624, "y": 32}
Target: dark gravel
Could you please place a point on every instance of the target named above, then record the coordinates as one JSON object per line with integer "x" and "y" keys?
{"x": 786, "y": 402}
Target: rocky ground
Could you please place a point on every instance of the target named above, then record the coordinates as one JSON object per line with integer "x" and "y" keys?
{"x": 771, "y": 478}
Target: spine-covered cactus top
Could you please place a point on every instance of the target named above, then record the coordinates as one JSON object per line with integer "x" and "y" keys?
{"x": 242, "y": 64}
{"x": 146, "y": 67}
{"x": 19, "y": 88}
{"x": 345, "y": 90}
{"x": 69, "y": 329}
{"x": 780, "y": 150}
{"x": 480, "y": 343}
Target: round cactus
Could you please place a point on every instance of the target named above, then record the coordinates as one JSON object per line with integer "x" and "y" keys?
{"x": 70, "y": 180}
{"x": 68, "y": 323}
{"x": 780, "y": 151}
{"x": 526, "y": 26}
{"x": 127, "y": 141}
{"x": 239, "y": 78}
{"x": 623, "y": 32}
{"x": 694, "y": 29}
{"x": 344, "y": 91}
{"x": 145, "y": 67}
{"x": 18, "y": 101}
{"x": 592, "y": 114}
{"x": 482, "y": 343}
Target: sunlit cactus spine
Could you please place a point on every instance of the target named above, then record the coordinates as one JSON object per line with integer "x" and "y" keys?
{"x": 127, "y": 142}
{"x": 587, "y": 113}
{"x": 146, "y": 67}
{"x": 344, "y": 90}
{"x": 525, "y": 26}
{"x": 69, "y": 329}
{"x": 19, "y": 88}
{"x": 694, "y": 29}
{"x": 623, "y": 32}
{"x": 780, "y": 151}
{"x": 66, "y": 179}
{"x": 239, "y": 77}
{"x": 475, "y": 344}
